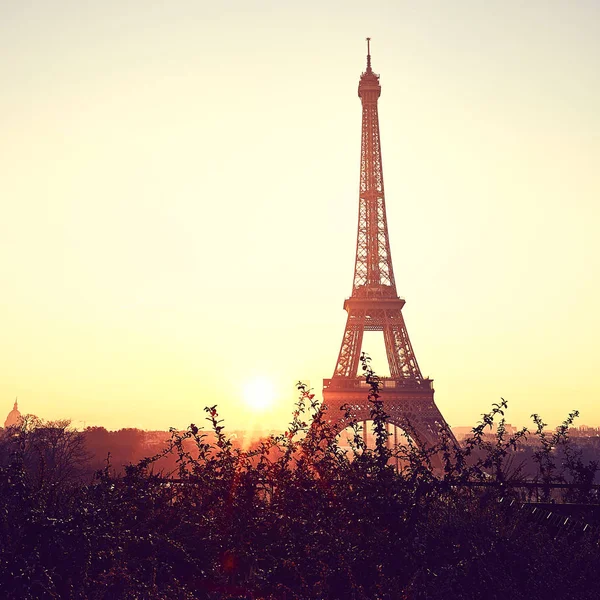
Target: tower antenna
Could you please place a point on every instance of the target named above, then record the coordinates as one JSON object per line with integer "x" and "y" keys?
{"x": 368, "y": 54}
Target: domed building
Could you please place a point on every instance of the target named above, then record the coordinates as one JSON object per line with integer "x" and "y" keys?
{"x": 14, "y": 416}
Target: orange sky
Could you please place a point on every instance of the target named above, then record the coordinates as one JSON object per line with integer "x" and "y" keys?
{"x": 179, "y": 195}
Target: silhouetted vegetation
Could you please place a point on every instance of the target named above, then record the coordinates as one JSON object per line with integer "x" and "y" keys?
{"x": 297, "y": 517}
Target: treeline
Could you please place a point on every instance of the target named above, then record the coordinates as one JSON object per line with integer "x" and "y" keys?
{"x": 297, "y": 517}
{"x": 49, "y": 446}
{"x": 124, "y": 447}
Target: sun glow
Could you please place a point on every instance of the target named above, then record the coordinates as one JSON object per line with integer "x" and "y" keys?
{"x": 259, "y": 393}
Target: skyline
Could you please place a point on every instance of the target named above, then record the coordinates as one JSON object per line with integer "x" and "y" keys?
{"x": 183, "y": 196}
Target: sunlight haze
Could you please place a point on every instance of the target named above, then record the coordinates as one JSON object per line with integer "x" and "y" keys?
{"x": 179, "y": 195}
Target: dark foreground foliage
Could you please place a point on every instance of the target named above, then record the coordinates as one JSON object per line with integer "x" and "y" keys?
{"x": 298, "y": 518}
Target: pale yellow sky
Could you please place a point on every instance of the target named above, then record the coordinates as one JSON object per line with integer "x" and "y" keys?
{"x": 179, "y": 191}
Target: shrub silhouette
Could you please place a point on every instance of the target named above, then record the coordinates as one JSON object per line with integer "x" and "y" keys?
{"x": 299, "y": 517}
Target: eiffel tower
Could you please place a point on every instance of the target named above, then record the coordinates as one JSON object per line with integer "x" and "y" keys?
{"x": 375, "y": 306}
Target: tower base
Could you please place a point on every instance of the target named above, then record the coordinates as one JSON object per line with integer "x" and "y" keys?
{"x": 408, "y": 403}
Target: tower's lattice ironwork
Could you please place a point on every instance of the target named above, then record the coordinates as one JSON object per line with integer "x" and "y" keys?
{"x": 374, "y": 304}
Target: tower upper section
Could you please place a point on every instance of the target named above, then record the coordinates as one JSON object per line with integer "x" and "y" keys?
{"x": 373, "y": 271}
{"x": 369, "y": 89}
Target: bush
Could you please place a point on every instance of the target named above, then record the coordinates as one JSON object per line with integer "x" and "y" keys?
{"x": 297, "y": 517}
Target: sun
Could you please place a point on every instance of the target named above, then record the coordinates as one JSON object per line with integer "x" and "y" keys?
{"x": 259, "y": 393}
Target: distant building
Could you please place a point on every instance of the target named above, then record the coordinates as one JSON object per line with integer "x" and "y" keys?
{"x": 462, "y": 433}
{"x": 14, "y": 416}
{"x": 583, "y": 431}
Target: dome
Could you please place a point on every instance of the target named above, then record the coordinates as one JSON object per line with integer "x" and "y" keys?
{"x": 14, "y": 416}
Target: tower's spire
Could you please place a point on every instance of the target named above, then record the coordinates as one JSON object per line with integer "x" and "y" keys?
{"x": 373, "y": 272}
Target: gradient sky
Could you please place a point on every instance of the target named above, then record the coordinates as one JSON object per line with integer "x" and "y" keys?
{"x": 179, "y": 193}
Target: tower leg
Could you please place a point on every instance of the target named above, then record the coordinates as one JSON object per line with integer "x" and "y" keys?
{"x": 347, "y": 363}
